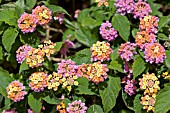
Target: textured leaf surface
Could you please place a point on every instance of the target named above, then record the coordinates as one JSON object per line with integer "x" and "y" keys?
{"x": 162, "y": 104}
{"x": 5, "y": 80}
{"x": 84, "y": 87}
{"x": 163, "y": 21}
{"x": 167, "y": 59}
{"x": 95, "y": 109}
{"x": 110, "y": 93}
{"x": 116, "y": 66}
{"x": 23, "y": 67}
{"x": 52, "y": 100}
{"x": 9, "y": 37}
{"x": 138, "y": 67}
{"x": 59, "y": 9}
{"x": 34, "y": 103}
{"x": 122, "y": 25}
{"x": 138, "y": 108}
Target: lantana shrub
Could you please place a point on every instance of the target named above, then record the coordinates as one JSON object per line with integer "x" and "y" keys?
{"x": 111, "y": 57}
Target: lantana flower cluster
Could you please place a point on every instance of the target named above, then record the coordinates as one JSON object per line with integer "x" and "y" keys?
{"x": 95, "y": 72}
{"x": 16, "y": 91}
{"x": 38, "y": 81}
{"x": 138, "y": 9}
{"x": 150, "y": 84}
{"x": 146, "y": 39}
{"x": 40, "y": 15}
{"x": 107, "y": 31}
{"x": 127, "y": 51}
{"x": 76, "y": 107}
{"x": 100, "y": 51}
{"x": 68, "y": 70}
{"x": 22, "y": 52}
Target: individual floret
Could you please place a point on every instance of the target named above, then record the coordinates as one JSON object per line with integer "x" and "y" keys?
{"x": 48, "y": 47}
{"x": 141, "y": 9}
{"x": 76, "y": 107}
{"x": 95, "y": 72}
{"x": 60, "y": 17}
{"x": 124, "y": 6}
{"x": 16, "y": 91}
{"x": 38, "y": 81}
{"x": 35, "y": 57}
{"x": 101, "y": 2}
{"x": 22, "y": 52}
{"x": 100, "y": 51}
{"x": 127, "y": 51}
{"x": 148, "y": 102}
{"x": 54, "y": 80}
{"x": 154, "y": 53}
{"x": 149, "y": 24}
{"x": 143, "y": 38}
{"x": 149, "y": 83}
{"x": 42, "y": 14}
{"x": 107, "y": 31}
{"x": 27, "y": 23}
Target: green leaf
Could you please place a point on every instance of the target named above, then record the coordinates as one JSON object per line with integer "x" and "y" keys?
{"x": 1, "y": 53}
{"x": 9, "y": 17}
{"x": 162, "y": 104}
{"x": 95, "y": 109}
{"x": 31, "y": 3}
{"x": 82, "y": 56}
{"x": 90, "y": 22}
{"x": 116, "y": 66}
{"x": 83, "y": 14}
{"x": 85, "y": 37}
{"x": 31, "y": 39}
{"x": 50, "y": 100}
{"x": 163, "y": 21}
{"x": 59, "y": 9}
{"x": 128, "y": 100}
{"x": 167, "y": 59}
{"x": 138, "y": 108}
{"x": 122, "y": 25}
{"x": 138, "y": 67}
{"x": 84, "y": 87}
{"x": 134, "y": 32}
{"x": 58, "y": 46}
{"x": 162, "y": 36}
{"x": 23, "y": 67}
{"x": 115, "y": 54}
{"x": 5, "y": 80}
{"x": 9, "y": 37}
{"x": 109, "y": 93}
{"x": 48, "y": 65}
{"x": 155, "y": 8}
{"x": 34, "y": 103}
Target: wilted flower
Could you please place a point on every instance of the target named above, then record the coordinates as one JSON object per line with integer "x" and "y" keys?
{"x": 42, "y": 14}
{"x": 155, "y": 52}
{"x": 35, "y": 57}
{"x": 143, "y": 38}
{"x": 101, "y": 2}
{"x": 100, "y": 51}
{"x": 67, "y": 44}
{"x": 22, "y": 52}
{"x": 54, "y": 80}
{"x": 10, "y": 111}
{"x": 149, "y": 24}
{"x": 38, "y": 81}
{"x": 149, "y": 83}
{"x": 76, "y": 107}
{"x": 48, "y": 47}
{"x": 60, "y": 17}
{"x": 27, "y": 23}
{"x": 95, "y": 72}
{"x": 76, "y": 13}
{"x": 127, "y": 51}
{"x": 141, "y": 9}
{"x": 124, "y": 6}
{"x": 148, "y": 102}
{"x": 16, "y": 91}
{"x": 107, "y": 31}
